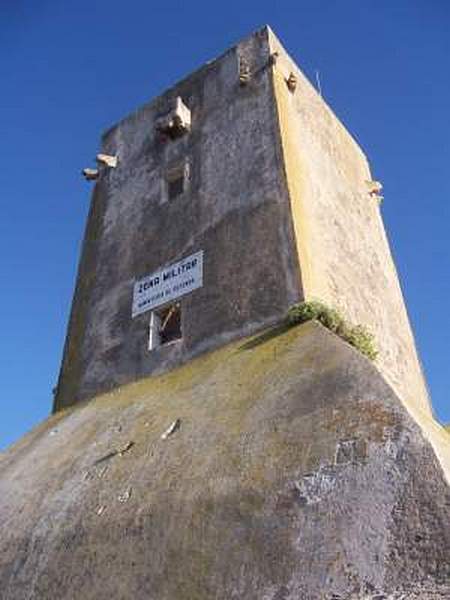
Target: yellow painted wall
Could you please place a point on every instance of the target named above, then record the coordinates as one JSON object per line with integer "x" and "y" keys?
{"x": 344, "y": 253}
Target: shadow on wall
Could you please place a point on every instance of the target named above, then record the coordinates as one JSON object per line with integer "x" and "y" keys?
{"x": 266, "y": 336}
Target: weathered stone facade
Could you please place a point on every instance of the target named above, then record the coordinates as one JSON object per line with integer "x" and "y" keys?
{"x": 344, "y": 254}
{"x": 280, "y": 467}
{"x": 234, "y": 209}
{"x": 276, "y": 197}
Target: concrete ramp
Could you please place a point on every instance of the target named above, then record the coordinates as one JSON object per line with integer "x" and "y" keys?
{"x": 280, "y": 467}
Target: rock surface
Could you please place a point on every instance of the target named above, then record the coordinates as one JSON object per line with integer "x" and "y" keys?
{"x": 289, "y": 470}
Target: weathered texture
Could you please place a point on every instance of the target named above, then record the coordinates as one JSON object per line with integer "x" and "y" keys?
{"x": 296, "y": 473}
{"x": 235, "y": 209}
{"x": 277, "y": 200}
{"x": 344, "y": 253}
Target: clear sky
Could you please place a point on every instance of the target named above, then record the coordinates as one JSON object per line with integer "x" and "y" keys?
{"x": 69, "y": 70}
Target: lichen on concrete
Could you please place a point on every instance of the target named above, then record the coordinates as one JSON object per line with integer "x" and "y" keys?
{"x": 295, "y": 472}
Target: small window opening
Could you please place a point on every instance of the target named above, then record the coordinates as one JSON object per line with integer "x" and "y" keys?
{"x": 165, "y": 326}
{"x": 175, "y": 186}
{"x": 170, "y": 329}
{"x": 176, "y": 122}
{"x": 176, "y": 180}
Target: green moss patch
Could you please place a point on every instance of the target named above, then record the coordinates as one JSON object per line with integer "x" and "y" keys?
{"x": 356, "y": 335}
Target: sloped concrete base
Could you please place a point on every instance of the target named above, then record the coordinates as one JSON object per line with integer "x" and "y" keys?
{"x": 295, "y": 473}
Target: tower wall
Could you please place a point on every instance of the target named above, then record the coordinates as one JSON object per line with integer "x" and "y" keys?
{"x": 342, "y": 245}
{"x": 277, "y": 200}
{"x": 291, "y": 468}
{"x": 235, "y": 209}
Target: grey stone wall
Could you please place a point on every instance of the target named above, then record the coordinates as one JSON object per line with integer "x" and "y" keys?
{"x": 235, "y": 209}
{"x": 278, "y": 201}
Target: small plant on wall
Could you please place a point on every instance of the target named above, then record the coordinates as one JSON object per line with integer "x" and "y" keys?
{"x": 356, "y": 335}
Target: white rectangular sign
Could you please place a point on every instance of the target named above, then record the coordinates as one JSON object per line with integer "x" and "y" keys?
{"x": 166, "y": 284}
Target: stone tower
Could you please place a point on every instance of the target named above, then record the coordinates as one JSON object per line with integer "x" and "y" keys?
{"x": 195, "y": 452}
{"x": 243, "y": 169}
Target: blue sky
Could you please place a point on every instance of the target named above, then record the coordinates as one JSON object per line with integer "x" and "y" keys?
{"x": 69, "y": 70}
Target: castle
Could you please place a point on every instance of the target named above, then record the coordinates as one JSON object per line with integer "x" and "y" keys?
{"x": 242, "y": 172}
{"x": 197, "y": 450}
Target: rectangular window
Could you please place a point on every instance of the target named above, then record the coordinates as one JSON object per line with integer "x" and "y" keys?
{"x": 175, "y": 187}
{"x": 176, "y": 180}
{"x": 165, "y": 326}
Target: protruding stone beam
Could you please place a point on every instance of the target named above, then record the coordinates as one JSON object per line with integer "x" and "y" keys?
{"x": 244, "y": 72}
{"x": 291, "y": 82}
{"x": 375, "y": 188}
{"x": 90, "y": 174}
{"x": 106, "y": 160}
{"x": 176, "y": 122}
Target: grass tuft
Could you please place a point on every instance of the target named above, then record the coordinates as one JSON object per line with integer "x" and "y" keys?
{"x": 356, "y": 335}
